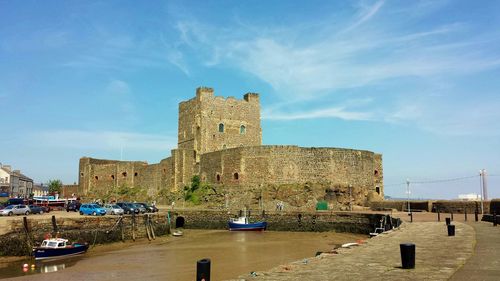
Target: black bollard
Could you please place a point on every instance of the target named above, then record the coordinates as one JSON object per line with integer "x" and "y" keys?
{"x": 451, "y": 230}
{"x": 439, "y": 215}
{"x": 411, "y": 216}
{"x": 465, "y": 214}
{"x": 476, "y": 216}
{"x": 407, "y": 255}
{"x": 203, "y": 270}
{"x": 451, "y": 215}
{"x": 448, "y": 221}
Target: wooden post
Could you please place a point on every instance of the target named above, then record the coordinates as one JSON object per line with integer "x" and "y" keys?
{"x": 28, "y": 236}
{"x": 152, "y": 228}
{"x": 54, "y": 226}
{"x": 465, "y": 214}
{"x": 439, "y": 215}
{"x": 452, "y": 215}
{"x": 133, "y": 226}
{"x": 121, "y": 228}
{"x": 146, "y": 223}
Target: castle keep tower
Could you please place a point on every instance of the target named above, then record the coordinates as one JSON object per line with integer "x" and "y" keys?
{"x": 208, "y": 123}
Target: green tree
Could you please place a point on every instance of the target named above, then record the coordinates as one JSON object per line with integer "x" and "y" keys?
{"x": 55, "y": 186}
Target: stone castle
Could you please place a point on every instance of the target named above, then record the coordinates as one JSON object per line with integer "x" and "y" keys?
{"x": 220, "y": 140}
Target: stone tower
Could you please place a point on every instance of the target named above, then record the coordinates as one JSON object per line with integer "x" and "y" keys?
{"x": 208, "y": 123}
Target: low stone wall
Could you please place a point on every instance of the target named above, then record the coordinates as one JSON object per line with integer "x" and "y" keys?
{"x": 93, "y": 230}
{"x": 447, "y": 206}
{"x": 289, "y": 221}
{"x": 401, "y": 205}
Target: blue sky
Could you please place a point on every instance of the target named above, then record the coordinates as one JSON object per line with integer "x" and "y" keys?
{"x": 417, "y": 81}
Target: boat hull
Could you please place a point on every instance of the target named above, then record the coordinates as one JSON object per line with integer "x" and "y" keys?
{"x": 41, "y": 253}
{"x": 257, "y": 226}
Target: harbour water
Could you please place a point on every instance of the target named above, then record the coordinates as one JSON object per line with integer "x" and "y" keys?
{"x": 174, "y": 258}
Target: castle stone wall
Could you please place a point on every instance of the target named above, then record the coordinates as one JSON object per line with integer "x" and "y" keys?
{"x": 257, "y": 165}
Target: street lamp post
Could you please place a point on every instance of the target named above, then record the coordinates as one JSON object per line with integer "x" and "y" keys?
{"x": 481, "y": 190}
{"x": 408, "y": 193}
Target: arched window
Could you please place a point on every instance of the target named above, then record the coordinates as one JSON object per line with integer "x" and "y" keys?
{"x": 112, "y": 177}
{"x": 218, "y": 178}
{"x": 221, "y": 128}
{"x": 81, "y": 174}
{"x": 124, "y": 174}
{"x": 243, "y": 129}
{"x": 96, "y": 178}
{"x": 376, "y": 173}
{"x": 136, "y": 174}
{"x": 236, "y": 176}
{"x": 377, "y": 189}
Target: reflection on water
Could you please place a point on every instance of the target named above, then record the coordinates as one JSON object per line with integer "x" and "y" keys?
{"x": 52, "y": 268}
{"x": 30, "y": 266}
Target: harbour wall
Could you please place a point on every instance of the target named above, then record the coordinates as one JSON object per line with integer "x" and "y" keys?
{"x": 18, "y": 239}
{"x": 445, "y": 206}
{"x": 281, "y": 221}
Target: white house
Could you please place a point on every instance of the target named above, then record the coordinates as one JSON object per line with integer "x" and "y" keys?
{"x": 14, "y": 182}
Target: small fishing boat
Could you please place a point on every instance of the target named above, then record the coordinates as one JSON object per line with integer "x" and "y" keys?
{"x": 242, "y": 224}
{"x": 54, "y": 248}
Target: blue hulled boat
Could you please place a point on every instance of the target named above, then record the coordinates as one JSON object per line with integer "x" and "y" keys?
{"x": 55, "y": 248}
{"x": 242, "y": 224}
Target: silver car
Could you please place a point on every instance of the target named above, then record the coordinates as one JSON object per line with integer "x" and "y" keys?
{"x": 113, "y": 209}
{"x": 15, "y": 210}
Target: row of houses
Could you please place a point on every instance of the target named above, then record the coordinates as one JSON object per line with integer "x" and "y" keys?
{"x": 14, "y": 184}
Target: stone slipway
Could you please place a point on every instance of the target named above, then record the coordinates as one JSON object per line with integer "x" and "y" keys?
{"x": 437, "y": 257}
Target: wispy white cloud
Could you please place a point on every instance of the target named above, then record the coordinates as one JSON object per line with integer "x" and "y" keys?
{"x": 103, "y": 140}
{"x": 365, "y": 15}
{"x": 120, "y": 93}
{"x": 332, "y": 112}
{"x": 355, "y": 59}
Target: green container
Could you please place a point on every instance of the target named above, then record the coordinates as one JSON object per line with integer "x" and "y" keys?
{"x": 322, "y": 206}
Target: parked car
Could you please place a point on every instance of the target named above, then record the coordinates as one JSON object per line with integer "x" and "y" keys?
{"x": 141, "y": 208}
{"x": 128, "y": 208}
{"x": 34, "y": 209}
{"x": 92, "y": 209}
{"x": 73, "y": 206}
{"x": 113, "y": 209}
{"x": 15, "y": 210}
{"x": 149, "y": 208}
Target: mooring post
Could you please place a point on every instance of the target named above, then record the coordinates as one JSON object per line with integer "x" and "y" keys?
{"x": 465, "y": 214}
{"x": 407, "y": 255}
{"x": 476, "y": 215}
{"x": 133, "y": 226}
{"x": 411, "y": 216}
{"x": 152, "y": 229}
{"x": 451, "y": 215}
{"x": 146, "y": 224}
{"x": 54, "y": 226}
{"x": 121, "y": 228}
{"x": 203, "y": 270}
{"x": 494, "y": 218}
{"x": 439, "y": 215}
{"x": 28, "y": 236}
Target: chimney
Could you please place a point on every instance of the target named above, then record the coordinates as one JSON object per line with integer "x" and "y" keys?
{"x": 6, "y": 167}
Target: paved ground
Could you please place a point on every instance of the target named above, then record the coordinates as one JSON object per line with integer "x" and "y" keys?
{"x": 485, "y": 262}
{"x": 437, "y": 257}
